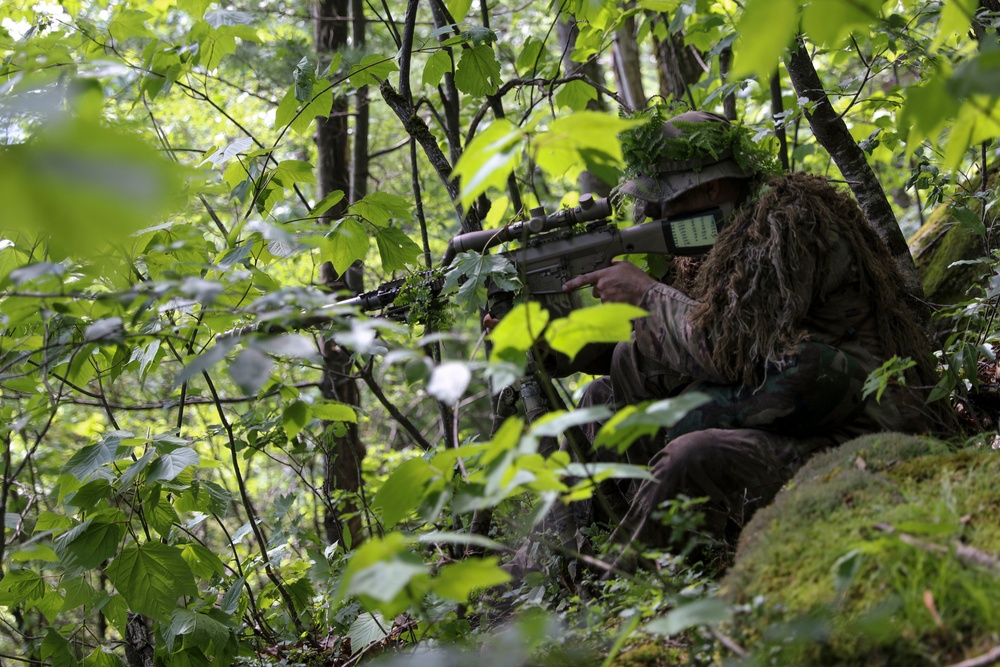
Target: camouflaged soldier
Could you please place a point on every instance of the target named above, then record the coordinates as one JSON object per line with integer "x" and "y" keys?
{"x": 795, "y": 304}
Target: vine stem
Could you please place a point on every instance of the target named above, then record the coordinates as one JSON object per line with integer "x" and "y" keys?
{"x": 251, "y": 512}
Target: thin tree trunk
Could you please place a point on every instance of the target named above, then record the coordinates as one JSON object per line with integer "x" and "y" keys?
{"x": 729, "y": 101}
{"x": 343, "y": 450}
{"x": 628, "y": 69}
{"x": 359, "y": 165}
{"x": 678, "y": 66}
{"x": 831, "y": 132}
{"x": 778, "y": 117}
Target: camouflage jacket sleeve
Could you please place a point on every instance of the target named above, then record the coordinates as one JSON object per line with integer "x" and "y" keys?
{"x": 666, "y": 335}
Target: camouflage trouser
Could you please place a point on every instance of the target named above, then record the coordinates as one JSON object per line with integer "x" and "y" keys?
{"x": 737, "y": 451}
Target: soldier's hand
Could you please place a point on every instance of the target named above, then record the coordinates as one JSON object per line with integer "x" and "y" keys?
{"x": 622, "y": 282}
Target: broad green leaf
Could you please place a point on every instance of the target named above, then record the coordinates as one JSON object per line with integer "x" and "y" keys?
{"x": 602, "y": 471}
{"x": 294, "y": 418}
{"x": 385, "y": 574}
{"x": 403, "y": 491}
{"x": 202, "y": 561}
{"x": 227, "y": 17}
{"x": 168, "y": 466}
{"x": 468, "y": 539}
{"x": 83, "y": 186}
{"x": 531, "y": 57}
{"x": 102, "y": 657}
{"x": 478, "y": 72}
{"x": 604, "y": 323}
{"x": 91, "y": 543}
{"x": 56, "y": 649}
{"x": 347, "y": 242}
{"x": 708, "y": 611}
{"x": 162, "y": 516}
{"x": 22, "y": 586}
{"x": 396, "y": 249}
{"x": 367, "y": 629}
{"x": 372, "y": 70}
{"x": 334, "y": 412}
{"x": 519, "y": 330}
{"x": 572, "y": 142}
{"x": 203, "y": 630}
{"x": 956, "y": 18}
{"x": 765, "y": 29}
{"x": 318, "y": 106}
{"x": 251, "y": 369}
{"x": 635, "y": 421}
{"x": 458, "y": 9}
{"x": 196, "y": 8}
{"x": 294, "y": 171}
{"x": 379, "y": 208}
{"x": 151, "y": 577}
{"x": 435, "y": 68}
{"x": 91, "y": 457}
{"x": 829, "y": 22}
{"x": 326, "y": 203}
{"x": 285, "y": 112}
{"x": 489, "y": 159}
{"x": 553, "y": 424}
{"x": 204, "y": 361}
{"x": 128, "y": 23}
{"x": 457, "y": 581}
{"x": 575, "y": 95}
{"x": 34, "y": 552}
{"x": 91, "y": 494}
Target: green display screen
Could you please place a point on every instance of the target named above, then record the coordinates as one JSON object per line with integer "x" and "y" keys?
{"x": 695, "y": 232}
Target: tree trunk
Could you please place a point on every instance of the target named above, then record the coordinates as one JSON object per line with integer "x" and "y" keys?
{"x": 343, "y": 449}
{"x": 628, "y": 69}
{"x": 678, "y": 66}
{"x": 568, "y": 31}
{"x": 359, "y": 165}
{"x": 831, "y": 132}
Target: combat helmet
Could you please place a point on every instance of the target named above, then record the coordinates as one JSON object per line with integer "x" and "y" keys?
{"x": 691, "y": 149}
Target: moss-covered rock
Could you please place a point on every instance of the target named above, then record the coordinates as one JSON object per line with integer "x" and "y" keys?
{"x": 882, "y": 551}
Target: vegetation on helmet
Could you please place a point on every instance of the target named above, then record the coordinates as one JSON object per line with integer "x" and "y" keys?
{"x": 643, "y": 147}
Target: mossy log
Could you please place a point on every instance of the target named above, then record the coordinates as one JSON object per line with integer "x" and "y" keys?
{"x": 883, "y": 551}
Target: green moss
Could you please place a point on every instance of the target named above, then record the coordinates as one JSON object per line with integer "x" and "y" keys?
{"x": 860, "y": 541}
{"x": 653, "y": 655}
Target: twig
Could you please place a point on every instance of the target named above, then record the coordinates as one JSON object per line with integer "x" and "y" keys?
{"x": 991, "y": 657}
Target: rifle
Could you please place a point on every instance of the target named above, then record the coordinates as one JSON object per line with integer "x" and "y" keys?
{"x": 556, "y": 247}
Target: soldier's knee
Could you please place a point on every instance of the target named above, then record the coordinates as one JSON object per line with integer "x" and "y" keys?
{"x": 687, "y": 453}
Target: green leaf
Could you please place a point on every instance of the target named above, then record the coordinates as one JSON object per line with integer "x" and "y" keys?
{"x": 347, "y": 242}
{"x": 102, "y": 657}
{"x": 765, "y": 29}
{"x": 379, "y": 208}
{"x": 204, "y": 361}
{"x": 435, "y": 68}
{"x": 403, "y": 491}
{"x": 294, "y": 171}
{"x": 22, "y": 586}
{"x": 286, "y": 109}
{"x": 575, "y": 95}
{"x": 458, "y": 580}
{"x": 128, "y": 23}
{"x": 202, "y": 561}
{"x": 531, "y": 57}
{"x": 151, "y": 577}
{"x": 168, "y": 466}
{"x": 294, "y": 418}
{"x": 162, "y": 516}
{"x": 604, "y": 323}
{"x": 56, "y": 650}
{"x": 709, "y": 611}
{"x": 573, "y": 141}
{"x": 319, "y": 106}
{"x": 519, "y": 330}
{"x": 372, "y": 71}
{"x": 489, "y": 159}
{"x": 458, "y": 8}
{"x": 829, "y": 22}
{"x": 203, "y": 630}
{"x": 396, "y": 249}
{"x": 91, "y": 457}
{"x": 478, "y": 71}
{"x": 82, "y": 186}
{"x": 89, "y": 544}
{"x": 368, "y": 629}
{"x": 326, "y": 203}
{"x": 334, "y": 412}
{"x": 635, "y": 421}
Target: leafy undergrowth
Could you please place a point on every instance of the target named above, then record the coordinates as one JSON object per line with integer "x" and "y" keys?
{"x": 883, "y": 551}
